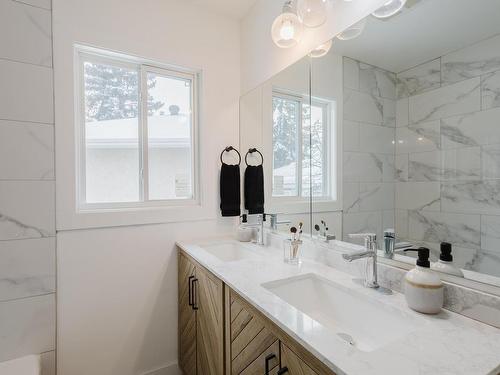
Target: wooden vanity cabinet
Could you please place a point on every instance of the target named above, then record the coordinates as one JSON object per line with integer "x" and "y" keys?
{"x": 220, "y": 333}
{"x": 201, "y": 319}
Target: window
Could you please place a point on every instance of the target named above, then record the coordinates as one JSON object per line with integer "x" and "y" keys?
{"x": 301, "y": 147}
{"x": 137, "y": 133}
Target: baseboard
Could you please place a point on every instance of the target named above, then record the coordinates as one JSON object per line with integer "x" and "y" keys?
{"x": 172, "y": 369}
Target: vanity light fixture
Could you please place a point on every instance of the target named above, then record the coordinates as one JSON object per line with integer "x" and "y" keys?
{"x": 321, "y": 50}
{"x": 286, "y": 30}
{"x": 353, "y": 32}
{"x": 389, "y": 9}
{"x": 312, "y": 13}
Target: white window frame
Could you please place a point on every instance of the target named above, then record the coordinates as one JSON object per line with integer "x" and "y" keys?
{"x": 143, "y": 67}
{"x": 328, "y": 194}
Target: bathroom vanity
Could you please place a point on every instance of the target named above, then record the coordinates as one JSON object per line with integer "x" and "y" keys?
{"x": 220, "y": 332}
{"x": 242, "y": 310}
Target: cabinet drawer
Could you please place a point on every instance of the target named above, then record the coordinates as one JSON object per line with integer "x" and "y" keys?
{"x": 295, "y": 365}
{"x": 258, "y": 366}
{"x": 251, "y": 341}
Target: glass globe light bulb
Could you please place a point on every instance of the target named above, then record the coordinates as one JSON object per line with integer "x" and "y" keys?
{"x": 321, "y": 50}
{"x": 389, "y": 9}
{"x": 286, "y": 30}
{"x": 354, "y": 31}
{"x": 312, "y": 13}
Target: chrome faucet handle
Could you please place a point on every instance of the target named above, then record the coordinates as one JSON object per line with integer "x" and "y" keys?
{"x": 275, "y": 222}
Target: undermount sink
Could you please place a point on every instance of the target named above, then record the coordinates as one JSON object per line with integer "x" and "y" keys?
{"x": 229, "y": 251}
{"x": 364, "y": 323}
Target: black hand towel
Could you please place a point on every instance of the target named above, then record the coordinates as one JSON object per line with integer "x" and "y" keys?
{"x": 230, "y": 196}
{"x": 254, "y": 189}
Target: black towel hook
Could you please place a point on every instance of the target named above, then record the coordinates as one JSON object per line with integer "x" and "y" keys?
{"x": 251, "y": 151}
{"x": 228, "y": 149}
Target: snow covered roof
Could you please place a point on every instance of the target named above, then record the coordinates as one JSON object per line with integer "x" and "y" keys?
{"x": 163, "y": 131}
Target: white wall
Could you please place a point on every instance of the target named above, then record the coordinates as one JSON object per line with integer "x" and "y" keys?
{"x": 117, "y": 297}
{"x": 117, "y": 301}
{"x": 261, "y": 58}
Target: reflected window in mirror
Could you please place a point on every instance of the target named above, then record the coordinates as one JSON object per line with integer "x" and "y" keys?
{"x": 301, "y": 147}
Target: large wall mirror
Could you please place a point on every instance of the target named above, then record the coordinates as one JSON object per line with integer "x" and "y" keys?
{"x": 396, "y": 127}
{"x": 421, "y": 129}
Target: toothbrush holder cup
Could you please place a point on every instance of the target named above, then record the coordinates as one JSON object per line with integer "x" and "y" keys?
{"x": 291, "y": 250}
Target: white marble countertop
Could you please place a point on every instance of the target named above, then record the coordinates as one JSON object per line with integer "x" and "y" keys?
{"x": 447, "y": 343}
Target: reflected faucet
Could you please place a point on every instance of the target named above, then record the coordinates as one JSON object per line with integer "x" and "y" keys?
{"x": 275, "y": 223}
{"x": 391, "y": 246}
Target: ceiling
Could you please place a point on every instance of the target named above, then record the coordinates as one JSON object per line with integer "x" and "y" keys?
{"x": 424, "y": 30}
{"x": 232, "y": 8}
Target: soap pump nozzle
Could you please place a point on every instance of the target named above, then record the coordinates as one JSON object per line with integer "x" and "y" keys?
{"x": 423, "y": 256}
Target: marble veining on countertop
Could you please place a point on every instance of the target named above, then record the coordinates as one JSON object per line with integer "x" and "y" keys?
{"x": 447, "y": 343}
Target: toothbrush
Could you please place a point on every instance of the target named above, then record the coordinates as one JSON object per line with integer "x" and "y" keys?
{"x": 300, "y": 230}
{"x": 293, "y": 230}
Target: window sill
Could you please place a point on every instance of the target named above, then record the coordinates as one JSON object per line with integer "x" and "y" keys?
{"x": 302, "y": 206}
{"x": 86, "y": 219}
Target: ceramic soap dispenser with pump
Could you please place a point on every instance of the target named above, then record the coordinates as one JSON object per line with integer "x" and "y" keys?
{"x": 445, "y": 263}
{"x": 423, "y": 287}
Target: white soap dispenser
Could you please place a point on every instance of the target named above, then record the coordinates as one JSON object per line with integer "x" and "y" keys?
{"x": 244, "y": 233}
{"x": 445, "y": 263}
{"x": 423, "y": 287}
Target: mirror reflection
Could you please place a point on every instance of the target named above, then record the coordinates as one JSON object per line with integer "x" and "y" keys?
{"x": 275, "y": 118}
{"x": 418, "y": 98}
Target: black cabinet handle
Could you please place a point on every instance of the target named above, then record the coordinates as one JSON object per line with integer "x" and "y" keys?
{"x": 282, "y": 370}
{"x": 268, "y": 358}
{"x": 195, "y": 288}
{"x": 190, "y": 295}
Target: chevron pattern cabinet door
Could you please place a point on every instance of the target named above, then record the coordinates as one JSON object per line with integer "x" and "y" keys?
{"x": 187, "y": 318}
{"x": 295, "y": 365}
{"x": 210, "y": 323}
{"x": 251, "y": 342}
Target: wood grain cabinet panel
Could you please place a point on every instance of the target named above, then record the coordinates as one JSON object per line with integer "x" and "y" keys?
{"x": 251, "y": 341}
{"x": 258, "y": 366}
{"x": 187, "y": 317}
{"x": 209, "y": 295}
{"x": 201, "y": 319}
{"x": 293, "y": 363}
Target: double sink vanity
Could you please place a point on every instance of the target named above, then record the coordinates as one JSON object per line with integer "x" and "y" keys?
{"x": 242, "y": 310}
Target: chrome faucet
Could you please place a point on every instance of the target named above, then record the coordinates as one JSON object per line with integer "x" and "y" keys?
{"x": 259, "y": 225}
{"x": 370, "y": 252}
{"x": 390, "y": 244}
{"x": 275, "y": 223}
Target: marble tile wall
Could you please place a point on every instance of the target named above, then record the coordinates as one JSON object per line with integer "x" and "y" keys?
{"x": 27, "y": 206}
{"x": 448, "y": 155}
{"x": 368, "y": 148}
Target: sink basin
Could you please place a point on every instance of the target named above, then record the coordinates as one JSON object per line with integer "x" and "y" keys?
{"x": 229, "y": 251}
{"x": 364, "y": 323}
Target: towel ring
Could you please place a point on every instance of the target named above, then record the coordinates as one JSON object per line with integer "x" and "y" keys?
{"x": 251, "y": 151}
{"x": 228, "y": 149}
